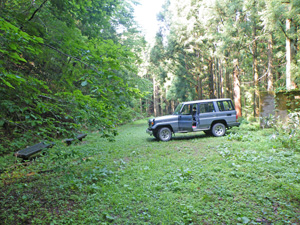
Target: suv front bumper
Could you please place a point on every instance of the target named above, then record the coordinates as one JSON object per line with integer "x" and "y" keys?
{"x": 149, "y": 131}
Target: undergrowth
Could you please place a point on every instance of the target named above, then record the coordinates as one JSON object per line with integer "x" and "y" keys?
{"x": 246, "y": 177}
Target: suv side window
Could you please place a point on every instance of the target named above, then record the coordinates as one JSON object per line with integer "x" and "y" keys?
{"x": 187, "y": 109}
{"x": 207, "y": 107}
{"x": 225, "y": 105}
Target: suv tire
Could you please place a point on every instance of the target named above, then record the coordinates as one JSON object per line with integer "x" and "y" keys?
{"x": 164, "y": 134}
{"x": 218, "y": 130}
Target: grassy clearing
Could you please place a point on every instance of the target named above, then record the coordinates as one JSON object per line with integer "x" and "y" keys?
{"x": 246, "y": 177}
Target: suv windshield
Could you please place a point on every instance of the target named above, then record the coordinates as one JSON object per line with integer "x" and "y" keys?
{"x": 177, "y": 110}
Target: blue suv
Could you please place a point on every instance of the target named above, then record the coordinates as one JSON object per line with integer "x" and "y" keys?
{"x": 212, "y": 116}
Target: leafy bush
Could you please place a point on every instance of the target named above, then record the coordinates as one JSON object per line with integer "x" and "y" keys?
{"x": 268, "y": 121}
{"x": 243, "y": 120}
{"x": 252, "y": 119}
{"x": 57, "y": 81}
{"x": 289, "y": 133}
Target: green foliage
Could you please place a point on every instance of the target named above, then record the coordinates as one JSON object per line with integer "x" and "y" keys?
{"x": 64, "y": 66}
{"x": 15, "y": 43}
{"x": 289, "y": 133}
{"x": 269, "y": 121}
{"x": 28, "y": 116}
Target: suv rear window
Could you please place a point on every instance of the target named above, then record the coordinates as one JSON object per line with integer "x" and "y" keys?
{"x": 225, "y": 105}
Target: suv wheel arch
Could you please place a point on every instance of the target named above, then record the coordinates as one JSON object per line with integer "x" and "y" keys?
{"x": 219, "y": 121}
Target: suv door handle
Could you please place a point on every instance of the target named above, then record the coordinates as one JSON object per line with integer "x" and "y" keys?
{"x": 228, "y": 114}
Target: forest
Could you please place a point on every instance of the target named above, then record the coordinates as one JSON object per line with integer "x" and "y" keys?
{"x": 85, "y": 67}
{"x": 222, "y": 48}
{"x": 67, "y": 66}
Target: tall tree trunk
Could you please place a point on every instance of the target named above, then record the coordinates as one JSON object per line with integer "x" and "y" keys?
{"x": 199, "y": 79}
{"x": 255, "y": 74}
{"x": 237, "y": 88}
{"x": 297, "y": 40}
{"x": 270, "y": 86}
{"x": 228, "y": 84}
{"x": 173, "y": 106}
{"x": 199, "y": 87}
{"x": 211, "y": 79}
{"x": 155, "y": 97}
{"x": 218, "y": 82}
{"x": 227, "y": 79}
{"x": 221, "y": 80}
{"x": 161, "y": 103}
{"x": 288, "y": 56}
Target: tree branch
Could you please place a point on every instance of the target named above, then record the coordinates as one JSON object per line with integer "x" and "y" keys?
{"x": 285, "y": 33}
{"x": 76, "y": 59}
{"x": 32, "y": 16}
{"x": 39, "y": 8}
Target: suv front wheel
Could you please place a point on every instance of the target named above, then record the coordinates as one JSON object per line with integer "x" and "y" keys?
{"x": 218, "y": 129}
{"x": 164, "y": 134}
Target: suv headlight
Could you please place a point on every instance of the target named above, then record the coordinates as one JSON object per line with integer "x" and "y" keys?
{"x": 151, "y": 122}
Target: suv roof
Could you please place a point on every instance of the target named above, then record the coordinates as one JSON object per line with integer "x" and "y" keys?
{"x": 206, "y": 100}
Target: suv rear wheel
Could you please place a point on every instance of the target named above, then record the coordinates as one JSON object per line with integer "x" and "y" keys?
{"x": 218, "y": 129}
{"x": 164, "y": 134}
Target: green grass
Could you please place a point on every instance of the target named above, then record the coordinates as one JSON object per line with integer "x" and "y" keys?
{"x": 246, "y": 177}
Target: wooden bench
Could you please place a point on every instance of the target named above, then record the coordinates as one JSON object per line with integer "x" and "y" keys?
{"x": 29, "y": 151}
{"x": 79, "y": 137}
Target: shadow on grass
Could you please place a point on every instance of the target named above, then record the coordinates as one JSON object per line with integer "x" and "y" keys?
{"x": 180, "y": 137}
